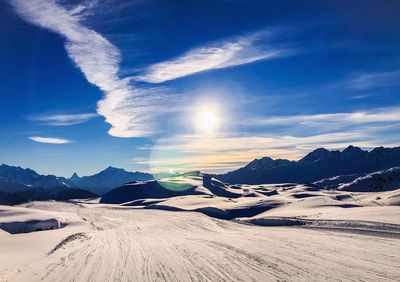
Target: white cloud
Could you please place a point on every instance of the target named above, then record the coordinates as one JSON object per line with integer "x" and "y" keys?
{"x": 373, "y": 80}
{"x": 133, "y": 111}
{"x": 128, "y": 110}
{"x": 382, "y": 115}
{"x": 303, "y": 133}
{"x": 50, "y": 140}
{"x": 189, "y": 152}
{"x": 234, "y": 52}
{"x": 65, "y": 119}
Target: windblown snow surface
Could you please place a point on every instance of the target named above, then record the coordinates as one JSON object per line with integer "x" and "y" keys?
{"x": 284, "y": 232}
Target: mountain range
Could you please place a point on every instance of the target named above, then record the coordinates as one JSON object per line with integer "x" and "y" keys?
{"x": 13, "y": 179}
{"x": 332, "y": 166}
{"x": 317, "y": 165}
{"x": 16, "y": 179}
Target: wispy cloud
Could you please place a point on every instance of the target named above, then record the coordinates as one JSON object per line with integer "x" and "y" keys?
{"x": 233, "y": 52}
{"x": 50, "y": 140}
{"x": 128, "y": 110}
{"x": 301, "y": 134}
{"x": 381, "y": 115}
{"x": 187, "y": 152}
{"x": 64, "y": 119}
{"x": 374, "y": 80}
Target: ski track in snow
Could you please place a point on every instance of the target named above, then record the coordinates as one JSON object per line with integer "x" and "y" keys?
{"x": 153, "y": 245}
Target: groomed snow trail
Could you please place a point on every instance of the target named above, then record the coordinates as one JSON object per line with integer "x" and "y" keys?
{"x": 153, "y": 245}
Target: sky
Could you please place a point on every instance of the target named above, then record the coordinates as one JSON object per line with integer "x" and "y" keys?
{"x": 168, "y": 85}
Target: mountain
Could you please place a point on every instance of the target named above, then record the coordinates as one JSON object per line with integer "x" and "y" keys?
{"x": 336, "y": 181}
{"x": 74, "y": 177}
{"x": 319, "y": 164}
{"x": 6, "y": 185}
{"x": 108, "y": 179}
{"x": 13, "y": 179}
{"x": 383, "y": 180}
{"x": 266, "y": 162}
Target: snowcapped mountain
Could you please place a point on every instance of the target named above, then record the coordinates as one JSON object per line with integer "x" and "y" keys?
{"x": 383, "y": 180}
{"x": 14, "y": 179}
{"x": 108, "y": 179}
{"x": 319, "y": 164}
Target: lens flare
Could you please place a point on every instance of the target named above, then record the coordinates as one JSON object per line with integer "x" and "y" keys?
{"x": 166, "y": 164}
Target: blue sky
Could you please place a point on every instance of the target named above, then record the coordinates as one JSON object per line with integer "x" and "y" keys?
{"x": 208, "y": 84}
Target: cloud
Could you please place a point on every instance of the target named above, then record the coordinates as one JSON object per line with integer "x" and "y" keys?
{"x": 65, "y": 119}
{"x": 134, "y": 111}
{"x": 382, "y": 115}
{"x": 374, "y": 80}
{"x": 238, "y": 51}
{"x": 128, "y": 110}
{"x": 215, "y": 154}
{"x": 50, "y": 140}
{"x": 302, "y": 134}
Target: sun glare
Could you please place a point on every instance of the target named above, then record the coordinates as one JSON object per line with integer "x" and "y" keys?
{"x": 206, "y": 121}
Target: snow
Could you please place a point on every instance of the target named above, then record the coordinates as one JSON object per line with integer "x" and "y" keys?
{"x": 297, "y": 233}
{"x": 374, "y": 182}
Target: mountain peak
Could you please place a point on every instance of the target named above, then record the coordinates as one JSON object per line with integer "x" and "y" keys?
{"x": 110, "y": 178}
{"x": 316, "y": 155}
{"x": 74, "y": 176}
{"x": 352, "y": 150}
{"x": 10, "y": 167}
{"x": 113, "y": 169}
{"x": 17, "y": 169}
{"x": 266, "y": 162}
{"x": 262, "y": 162}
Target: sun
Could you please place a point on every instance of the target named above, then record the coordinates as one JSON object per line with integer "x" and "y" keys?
{"x": 207, "y": 121}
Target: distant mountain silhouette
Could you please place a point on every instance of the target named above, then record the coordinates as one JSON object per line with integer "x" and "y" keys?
{"x": 320, "y": 164}
{"x": 19, "y": 185}
{"x": 13, "y": 179}
{"x": 317, "y": 165}
{"x": 108, "y": 179}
